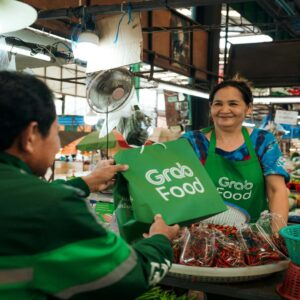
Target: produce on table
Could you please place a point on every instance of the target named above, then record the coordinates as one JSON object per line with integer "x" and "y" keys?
{"x": 230, "y": 253}
{"x": 158, "y": 293}
{"x": 271, "y": 223}
{"x": 260, "y": 250}
{"x": 177, "y": 244}
{"x": 211, "y": 245}
{"x": 199, "y": 247}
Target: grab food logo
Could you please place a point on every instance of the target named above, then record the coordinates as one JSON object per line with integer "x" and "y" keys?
{"x": 158, "y": 271}
{"x": 234, "y": 190}
{"x": 161, "y": 180}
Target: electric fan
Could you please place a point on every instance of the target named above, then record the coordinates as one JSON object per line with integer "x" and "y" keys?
{"x": 112, "y": 94}
{"x": 109, "y": 91}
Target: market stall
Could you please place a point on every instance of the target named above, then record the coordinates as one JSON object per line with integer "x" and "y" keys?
{"x": 260, "y": 289}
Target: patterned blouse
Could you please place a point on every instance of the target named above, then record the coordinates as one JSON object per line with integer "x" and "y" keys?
{"x": 265, "y": 145}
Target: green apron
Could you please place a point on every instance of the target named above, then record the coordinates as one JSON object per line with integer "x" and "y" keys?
{"x": 239, "y": 182}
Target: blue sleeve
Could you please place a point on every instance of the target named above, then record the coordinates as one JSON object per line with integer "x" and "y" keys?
{"x": 199, "y": 143}
{"x": 271, "y": 158}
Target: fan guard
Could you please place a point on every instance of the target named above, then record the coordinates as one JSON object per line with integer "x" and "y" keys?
{"x": 108, "y": 91}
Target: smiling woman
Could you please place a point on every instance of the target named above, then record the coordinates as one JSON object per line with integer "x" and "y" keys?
{"x": 239, "y": 154}
{"x": 228, "y": 110}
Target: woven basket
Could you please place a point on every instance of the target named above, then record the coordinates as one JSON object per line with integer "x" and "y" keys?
{"x": 291, "y": 236}
{"x": 290, "y": 287}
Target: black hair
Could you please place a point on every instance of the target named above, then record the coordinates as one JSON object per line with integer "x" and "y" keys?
{"x": 242, "y": 85}
{"x": 23, "y": 99}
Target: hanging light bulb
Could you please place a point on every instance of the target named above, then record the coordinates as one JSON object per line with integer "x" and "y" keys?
{"x": 87, "y": 42}
{"x": 15, "y": 15}
{"x": 86, "y": 45}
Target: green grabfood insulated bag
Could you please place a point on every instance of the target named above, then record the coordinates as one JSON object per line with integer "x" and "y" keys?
{"x": 162, "y": 178}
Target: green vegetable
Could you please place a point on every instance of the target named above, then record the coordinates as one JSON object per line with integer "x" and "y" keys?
{"x": 158, "y": 293}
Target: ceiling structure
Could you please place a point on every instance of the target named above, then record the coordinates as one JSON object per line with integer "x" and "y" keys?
{"x": 283, "y": 13}
{"x": 279, "y": 19}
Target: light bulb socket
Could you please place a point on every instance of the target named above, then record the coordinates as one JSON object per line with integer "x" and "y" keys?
{"x": 89, "y": 23}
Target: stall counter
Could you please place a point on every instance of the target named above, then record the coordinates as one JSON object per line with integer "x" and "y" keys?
{"x": 259, "y": 289}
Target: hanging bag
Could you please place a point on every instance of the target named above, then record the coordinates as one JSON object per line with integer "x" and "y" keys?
{"x": 163, "y": 178}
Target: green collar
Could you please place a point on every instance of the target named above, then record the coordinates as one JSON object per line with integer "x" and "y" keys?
{"x": 14, "y": 161}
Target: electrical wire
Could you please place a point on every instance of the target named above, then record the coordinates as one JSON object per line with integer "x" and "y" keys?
{"x": 64, "y": 44}
{"x": 37, "y": 48}
{"x": 121, "y": 19}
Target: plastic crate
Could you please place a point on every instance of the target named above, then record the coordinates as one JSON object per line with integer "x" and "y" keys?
{"x": 290, "y": 287}
{"x": 291, "y": 236}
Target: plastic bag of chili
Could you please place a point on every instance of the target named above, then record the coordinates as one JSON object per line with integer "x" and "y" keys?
{"x": 271, "y": 223}
{"x": 177, "y": 244}
{"x": 230, "y": 253}
{"x": 199, "y": 247}
{"x": 260, "y": 250}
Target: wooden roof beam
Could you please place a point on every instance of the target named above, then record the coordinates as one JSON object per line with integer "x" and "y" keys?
{"x": 135, "y": 6}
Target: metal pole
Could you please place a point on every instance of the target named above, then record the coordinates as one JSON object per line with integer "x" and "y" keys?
{"x": 226, "y": 39}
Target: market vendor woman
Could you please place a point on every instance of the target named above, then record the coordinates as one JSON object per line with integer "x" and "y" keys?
{"x": 245, "y": 164}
